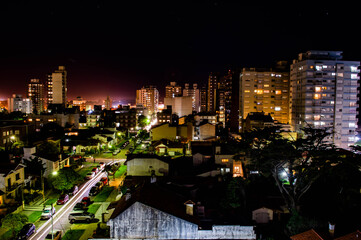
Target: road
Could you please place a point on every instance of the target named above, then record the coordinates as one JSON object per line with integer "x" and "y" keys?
{"x": 60, "y": 218}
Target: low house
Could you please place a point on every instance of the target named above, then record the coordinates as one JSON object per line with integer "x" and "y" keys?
{"x": 147, "y": 165}
{"x": 165, "y": 146}
{"x": 258, "y": 120}
{"x": 153, "y": 212}
{"x": 53, "y": 162}
{"x": 12, "y": 177}
{"x": 206, "y": 131}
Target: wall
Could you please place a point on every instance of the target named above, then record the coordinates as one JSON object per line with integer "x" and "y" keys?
{"x": 142, "y": 221}
{"x": 164, "y": 131}
{"x": 140, "y": 167}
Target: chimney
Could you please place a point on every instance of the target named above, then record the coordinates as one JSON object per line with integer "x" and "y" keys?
{"x": 189, "y": 207}
{"x": 331, "y": 229}
{"x": 128, "y": 195}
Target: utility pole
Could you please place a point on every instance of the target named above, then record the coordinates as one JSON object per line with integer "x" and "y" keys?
{"x": 52, "y": 225}
{"x": 42, "y": 183}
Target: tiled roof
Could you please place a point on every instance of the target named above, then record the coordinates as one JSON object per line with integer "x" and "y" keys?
{"x": 352, "y": 236}
{"x": 308, "y": 235}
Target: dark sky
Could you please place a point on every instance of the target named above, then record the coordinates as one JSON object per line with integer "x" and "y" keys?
{"x": 113, "y": 48}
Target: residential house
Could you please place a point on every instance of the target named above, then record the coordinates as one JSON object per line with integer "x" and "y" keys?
{"x": 12, "y": 177}
{"x": 165, "y": 146}
{"x": 257, "y": 120}
{"x": 51, "y": 162}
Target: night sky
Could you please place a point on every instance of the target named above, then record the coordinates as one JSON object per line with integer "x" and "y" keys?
{"x": 113, "y": 48}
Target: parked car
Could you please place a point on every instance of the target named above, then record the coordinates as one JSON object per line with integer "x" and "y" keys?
{"x": 79, "y": 207}
{"x": 104, "y": 180}
{"x": 63, "y": 199}
{"x": 86, "y": 201}
{"x": 89, "y": 175}
{"x": 95, "y": 170}
{"x": 47, "y": 212}
{"x": 73, "y": 190}
{"x": 27, "y": 230}
{"x": 93, "y": 191}
{"x": 99, "y": 185}
{"x": 56, "y": 235}
{"x": 81, "y": 216}
{"x": 102, "y": 165}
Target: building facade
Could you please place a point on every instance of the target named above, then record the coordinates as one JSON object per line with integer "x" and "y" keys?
{"x": 194, "y": 93}
{"x": 324, "y": 94}
{"x": 35, "y": 93}
{"x": 212, "y": 92}
{"x": 173, "y": 90}
{"x": 149, "y": 98}
{"x": 265, "y": 90}
{"x": 57, "y": 86}
{"x": 17, "y": 103}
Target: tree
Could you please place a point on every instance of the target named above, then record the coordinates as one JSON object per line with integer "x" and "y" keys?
{"x": 294, "y": 164}
{"x": 143, "y": 121}
{"x": 48, "y": 148}
{"x": 14, "y": 221}
{"x": 64, "y": 179}
{"x": 34, "y": 166}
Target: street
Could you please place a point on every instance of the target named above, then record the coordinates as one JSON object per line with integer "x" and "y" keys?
{"x": 60, "y": 219}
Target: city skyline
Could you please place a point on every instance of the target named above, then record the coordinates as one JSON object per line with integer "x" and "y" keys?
{"x": 113, "y": 50}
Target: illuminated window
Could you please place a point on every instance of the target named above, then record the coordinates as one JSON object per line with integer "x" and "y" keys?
{"x": 259, "y": 91}
{"x": 246, "y": 91}
{"x": 353, "y": 69}
{"x": 266, "y": 91}
{"x": 224, "y": 160}
{"x": 278, "y": 92}
{"x": 266, "y": 85}
{"x": 317, "y": 96}
{"x": 277, "y": 108}
{"x": 317, "y": 89}
{"x": 316, "y": 117}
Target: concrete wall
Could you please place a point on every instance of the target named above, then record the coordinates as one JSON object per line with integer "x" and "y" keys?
{"x": 141, "y": 167}
{"x": 164, "y": 131}
{"x": 142, "y": 221}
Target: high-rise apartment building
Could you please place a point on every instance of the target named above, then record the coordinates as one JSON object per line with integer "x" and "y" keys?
{"x": 324, "y": 94}
{"x": 173, "y": 90}
{"x": 17, "y": 103}
{"x": 148, "y": 97}
{"x": 57, "y": 86}
{"x": 108, "y": 103}
{"x": 265, "y": 90}
{"x": 35, "y": 93}
{"x": 195, "y": 94}
{"x": 212, "y": 92}
{"x": 203, "y": 93}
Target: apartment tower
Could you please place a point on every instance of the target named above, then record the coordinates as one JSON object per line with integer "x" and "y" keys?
{"x": 148, "y": 97}
{"x": 195, "y": 94}
{"x": 35, "y": 93}
{"x": 324, "y": 94}
{"x": 57, "y": 87}
{"x": 266, "y": 90}
{"x": 173, "y": 90}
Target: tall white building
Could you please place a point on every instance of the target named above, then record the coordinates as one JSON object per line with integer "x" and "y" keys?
{"x": 149, "y": 98}
{"x": 57, "y": 86}
{"x": 182, "y": 106}
{"x": 195, "y": 94}
{"x": 324, "y": 94}
{"x": 17, "y": 103}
